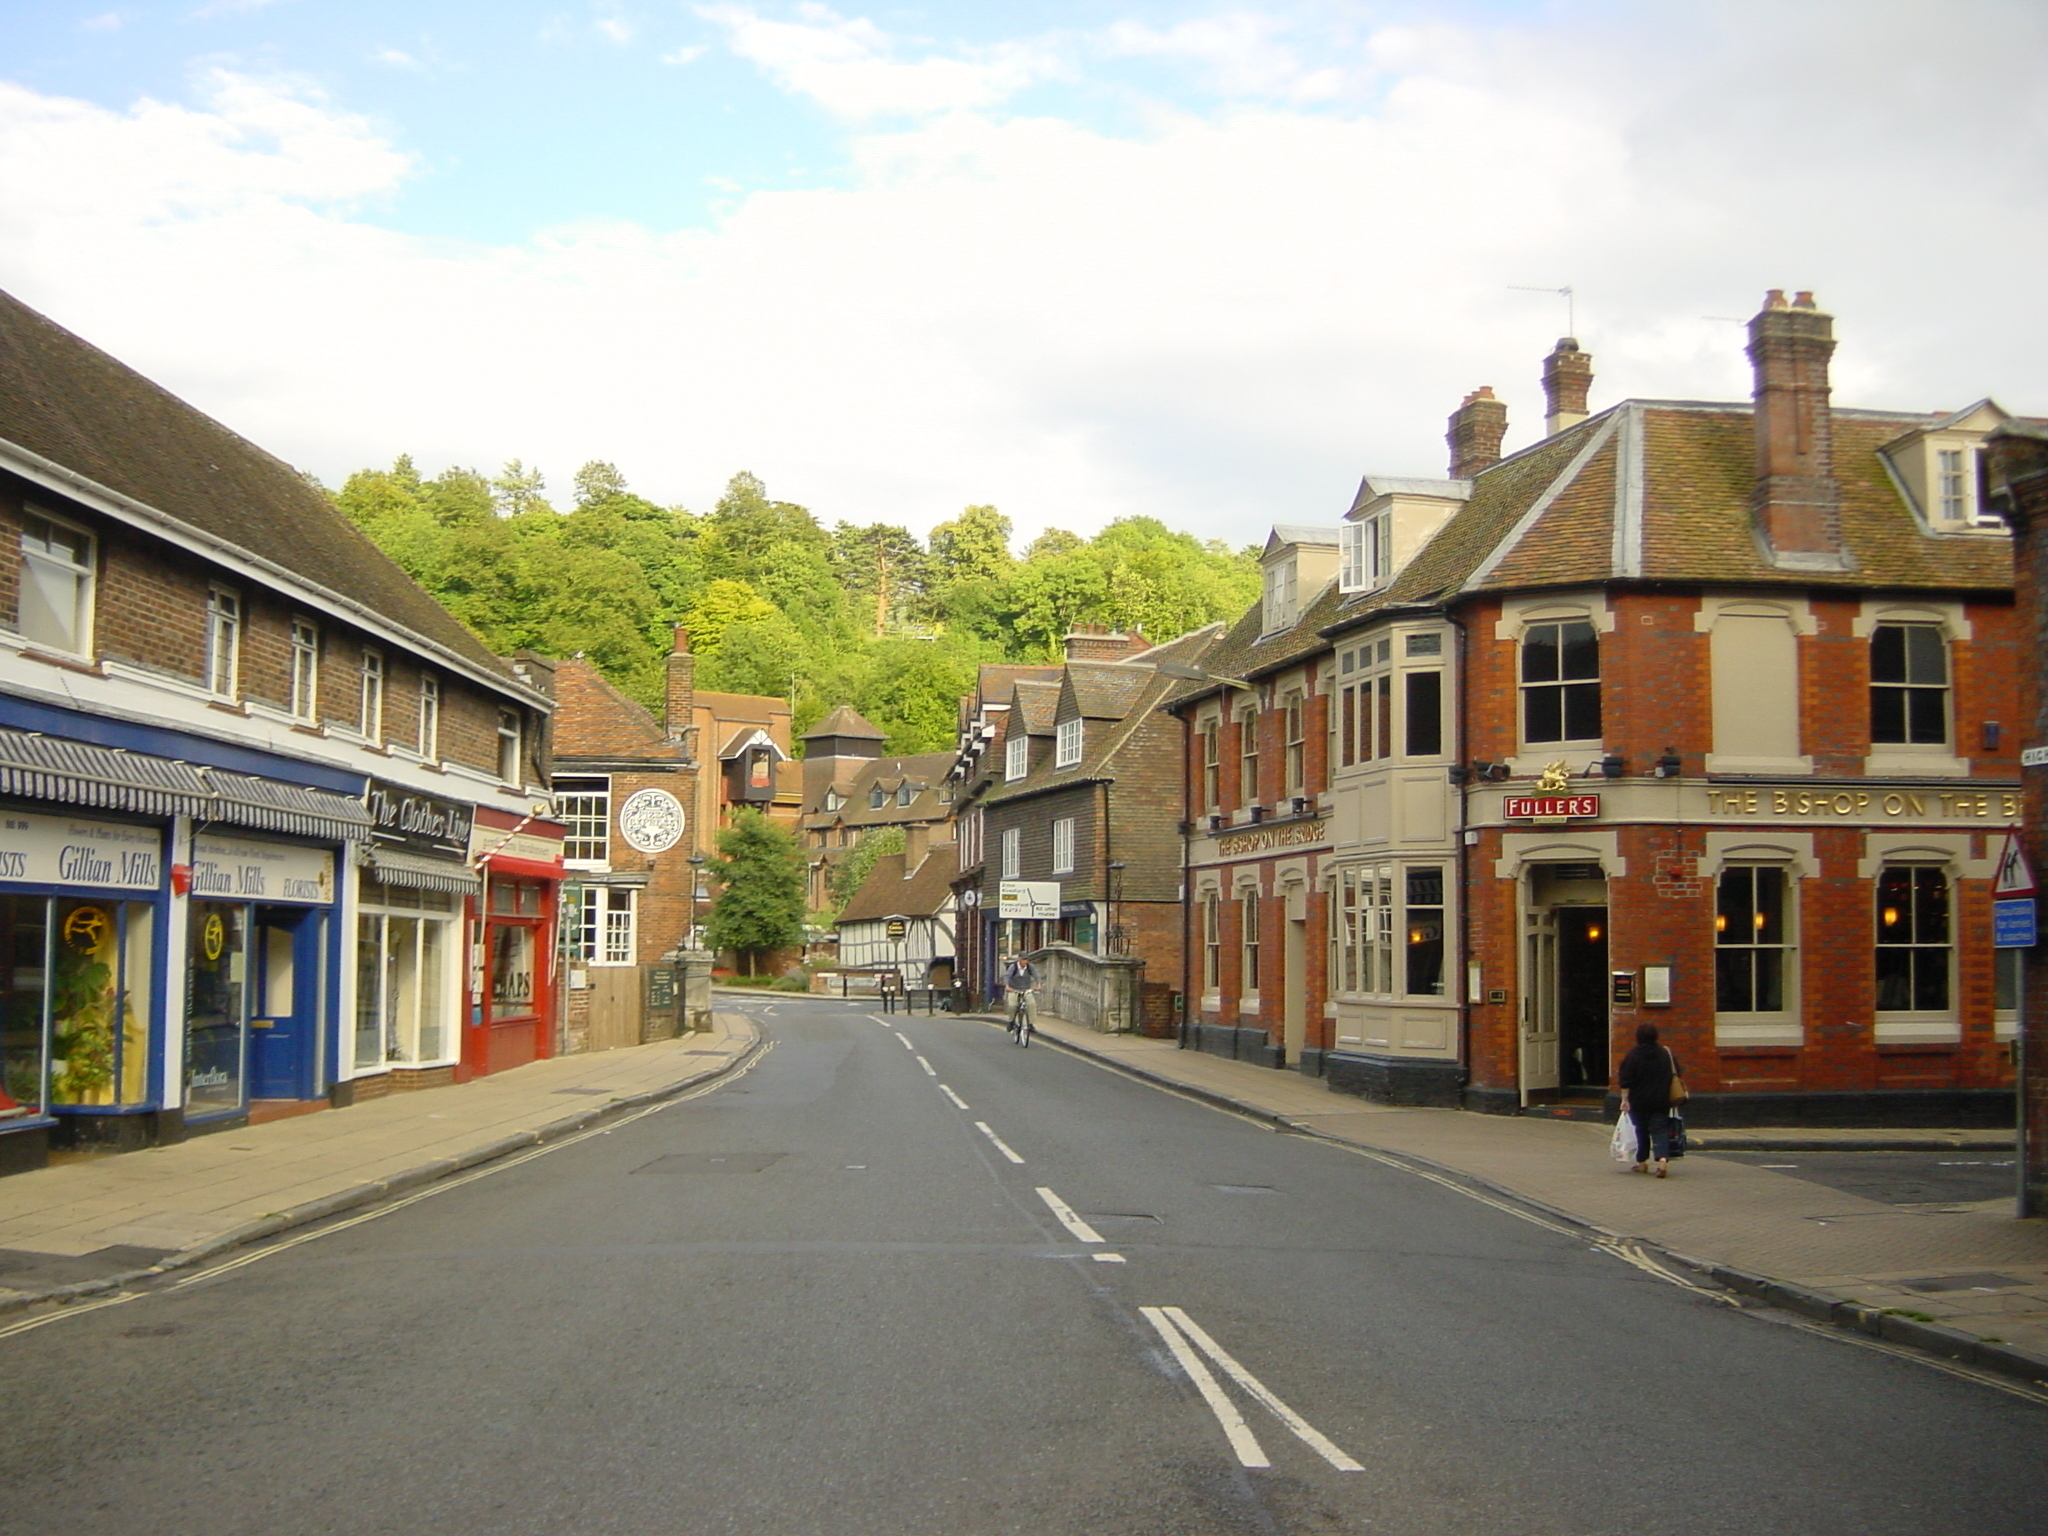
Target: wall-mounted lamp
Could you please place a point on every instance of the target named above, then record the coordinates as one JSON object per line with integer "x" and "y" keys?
{"x": 1301, "y": 805}
{"x": 1605, "y": 768}
{"x": 1492, "y": 773}
{"x": 1458, "y": 773}
{"x": 1668, "y": 765}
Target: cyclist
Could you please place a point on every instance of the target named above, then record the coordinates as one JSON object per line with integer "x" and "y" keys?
{"x": 1020, "y": 980}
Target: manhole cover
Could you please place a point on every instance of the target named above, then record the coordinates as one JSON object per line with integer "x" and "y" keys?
{"x": 1244, "y": 1189}
{"x": 712, "y": 1162}
{"x": 1977, "y": 1282}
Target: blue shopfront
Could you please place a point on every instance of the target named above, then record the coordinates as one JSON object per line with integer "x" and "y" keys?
{"x": 169, "y": 939}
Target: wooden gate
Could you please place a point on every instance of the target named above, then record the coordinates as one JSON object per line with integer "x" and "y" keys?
{"x": 614, "y": 1006}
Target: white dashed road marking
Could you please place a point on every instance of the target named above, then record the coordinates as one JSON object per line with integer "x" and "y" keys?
{"x": 958, "y": 1102}
{"x": 1004, "y": 1148}
{"x": 928, "y": 1072}
{"x": 1065, "y": 1212}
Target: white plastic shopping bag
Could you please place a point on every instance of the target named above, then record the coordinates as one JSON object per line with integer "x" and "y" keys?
{"x": 1624, "y": 1144}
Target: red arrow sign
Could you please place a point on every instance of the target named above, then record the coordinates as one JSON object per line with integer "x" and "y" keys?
{"x": 2014, "y": 877}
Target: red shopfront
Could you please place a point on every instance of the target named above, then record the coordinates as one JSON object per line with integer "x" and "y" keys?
{"x": 514, "y": 986}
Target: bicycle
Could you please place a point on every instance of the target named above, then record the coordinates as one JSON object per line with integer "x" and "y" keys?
{"x": 1020, "y": 1019}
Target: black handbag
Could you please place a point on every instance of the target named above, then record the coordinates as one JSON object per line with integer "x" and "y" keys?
{"x": 1677, "y": 1134}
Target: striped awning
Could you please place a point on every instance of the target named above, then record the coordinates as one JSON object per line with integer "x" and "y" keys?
{"x": 38, "y": 767}
{"x": 394, "y": 866}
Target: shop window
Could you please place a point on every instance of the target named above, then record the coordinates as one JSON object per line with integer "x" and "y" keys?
{"x": 223, "y": 642}
{"x": 56, "y": 584}
{"x": 1561, "y": 682}
{"x": 1908, "y": 685}
{"x": 1913, "y": 939}
{"x": 370, "y": 718}
{"x": 1423, "y": 922}
{"x": 402, "y": 980}
{"x": 605, "y": 935}
{"x": 74, "y": 1002}
{"x": 512, "y": 971}
{"x": 1752, "y": 939}
{"x": 305, "y": 670}
{"x": 1067, "y": 744}
{"x": 583, "y": 804}
{"x": 1248, "y": 933}
{"x": 1063, "y": 846}
{"x": 511, "y": 756}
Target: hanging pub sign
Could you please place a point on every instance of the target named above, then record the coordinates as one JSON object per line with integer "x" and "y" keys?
{"x": 405, "y": 818}
{"x": 1549, "y": 807}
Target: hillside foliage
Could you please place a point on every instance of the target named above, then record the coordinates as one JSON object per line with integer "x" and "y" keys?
{"x": 773, "y": 601}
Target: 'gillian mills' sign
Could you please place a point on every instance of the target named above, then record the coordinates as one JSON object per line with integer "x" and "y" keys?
{"x": 1548, "y": 807}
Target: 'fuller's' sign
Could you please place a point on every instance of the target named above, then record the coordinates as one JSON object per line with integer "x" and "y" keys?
{"x": 1549, "y": 807}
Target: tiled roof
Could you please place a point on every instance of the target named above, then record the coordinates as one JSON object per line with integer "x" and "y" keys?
{"x": 925, "y": 772}
{"x": 64, "y": 400}
{"x": 594, "y": 719}
{"x": 888, "y": 892}
{"x": 1037, "y": 705}
{"x": 757, "y": 707}
{"x": 1101, "y": 746}
{"x": 1103, "y": 690}
{"x": 845, "y": 720}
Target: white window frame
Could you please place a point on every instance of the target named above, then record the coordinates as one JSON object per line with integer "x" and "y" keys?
{"x": 305, "y": 670}
{"x": 429, "y": 737}
{"x": 1371, "y": 935}
{"x": 44, "y": 554}
{"x": 584, "y": 807}
{"x": 1279, "y": 585}
{"x": 511, "y": 746}
{"x": 1248, "y": 935}
{"x": 1063, "y": 846}
{"x": 607, "y": 930}
{"x": 1016, "y": 758}
{"x": 1912, "y": 1025}
{"x": 1013, "y": 853}
{"x": 223, "y": 641}
{"x": 1066, "y": 750}
{"x": 1787, "y": 1011}
{"x": 370, "y": 710}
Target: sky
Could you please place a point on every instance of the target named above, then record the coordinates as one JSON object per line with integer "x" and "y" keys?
{"x": 1208, "y": 263}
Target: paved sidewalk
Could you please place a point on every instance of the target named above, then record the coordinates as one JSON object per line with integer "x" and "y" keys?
{"x": 1968, "y": 1281}
{"x": 82, "y": 1225}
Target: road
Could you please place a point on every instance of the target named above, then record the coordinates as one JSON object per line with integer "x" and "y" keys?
{"x": 903, "y": 1277}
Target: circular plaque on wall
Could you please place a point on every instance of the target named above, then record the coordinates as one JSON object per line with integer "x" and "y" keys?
{"x": 651, "y": 820}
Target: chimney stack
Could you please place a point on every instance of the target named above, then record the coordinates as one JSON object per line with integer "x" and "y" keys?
{"x": 1567, "y": 380}
{"x": 917, "y": 840}
{"x": 1098, "y": 642}
{"x": 1796, "y": 507}
{"x": 1477, "y": 428}
{"x": 680, "y": 699}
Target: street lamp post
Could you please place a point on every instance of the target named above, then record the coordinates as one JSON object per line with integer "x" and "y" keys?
{"x": 696, "y": 895}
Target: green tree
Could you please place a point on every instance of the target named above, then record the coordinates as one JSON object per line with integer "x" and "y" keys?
{"x": 719, "y": 606}
{"x": 761, "y": 908}
{"x": 975, "y": 546}
{"x": 853, "y": 870}
{"x": 758, "y": 656}
{"x": 883, "y": 565}
{"x": 517, "y": 490}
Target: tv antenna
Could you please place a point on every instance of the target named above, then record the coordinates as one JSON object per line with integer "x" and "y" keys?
{"x": 1571, "y": 321}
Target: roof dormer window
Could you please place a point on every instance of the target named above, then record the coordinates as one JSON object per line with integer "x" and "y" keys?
{"x": 1279, "y": 612}
{"x": 877, "y": 797}
{"x": 1365, "y": 550}
{"x": 1067, "y": 744}
{"x": 1016, "y": 758}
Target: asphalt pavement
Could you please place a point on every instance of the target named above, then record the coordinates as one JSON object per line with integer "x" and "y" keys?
{"x": 896, "y": 1275}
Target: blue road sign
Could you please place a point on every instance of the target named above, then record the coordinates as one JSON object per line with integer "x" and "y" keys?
{"x": 2012, "y": 923}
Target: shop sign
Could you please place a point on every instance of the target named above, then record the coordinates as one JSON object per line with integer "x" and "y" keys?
{"x": 1867, "y": 804}
{"x": 408, "y": 819}
{"x": 63, "y": 850}
{"x": 651, "y": 820}
{"x": 1549, "y": 807}
{"x": 1286, "y": 834}
{"x": 895, "y": 928}
{"x": 250, "y": 869}
{"x": 1028, "y": 900}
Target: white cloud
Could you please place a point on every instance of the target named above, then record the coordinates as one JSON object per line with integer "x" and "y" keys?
{"x": 1243, "y": 53}
{"x": 106, "y": 21}
{"x": 397, "y": 58}
{"x": 683, "y": 55}
{"x": 849, "y": 65}
{"x": 1222, "y": 322}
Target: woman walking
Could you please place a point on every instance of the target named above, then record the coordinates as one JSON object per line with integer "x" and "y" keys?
{"x": 1645, "y": 1077}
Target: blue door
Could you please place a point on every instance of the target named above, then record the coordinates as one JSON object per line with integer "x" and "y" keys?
{"x": 284, "y": 1019}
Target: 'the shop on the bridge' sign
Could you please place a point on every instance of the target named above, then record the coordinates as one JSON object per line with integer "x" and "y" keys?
{"x": 1549, "y": 807}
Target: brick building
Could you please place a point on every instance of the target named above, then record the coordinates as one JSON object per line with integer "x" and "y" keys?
{"x": 852, "y": 791}
{"x": 1726, "y": 690}
{"x": 1258, "y": 803}
{"x": 1078, "y": 792}
{"x": 259, "y": 794}
{"x": 2018, "y": 452}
